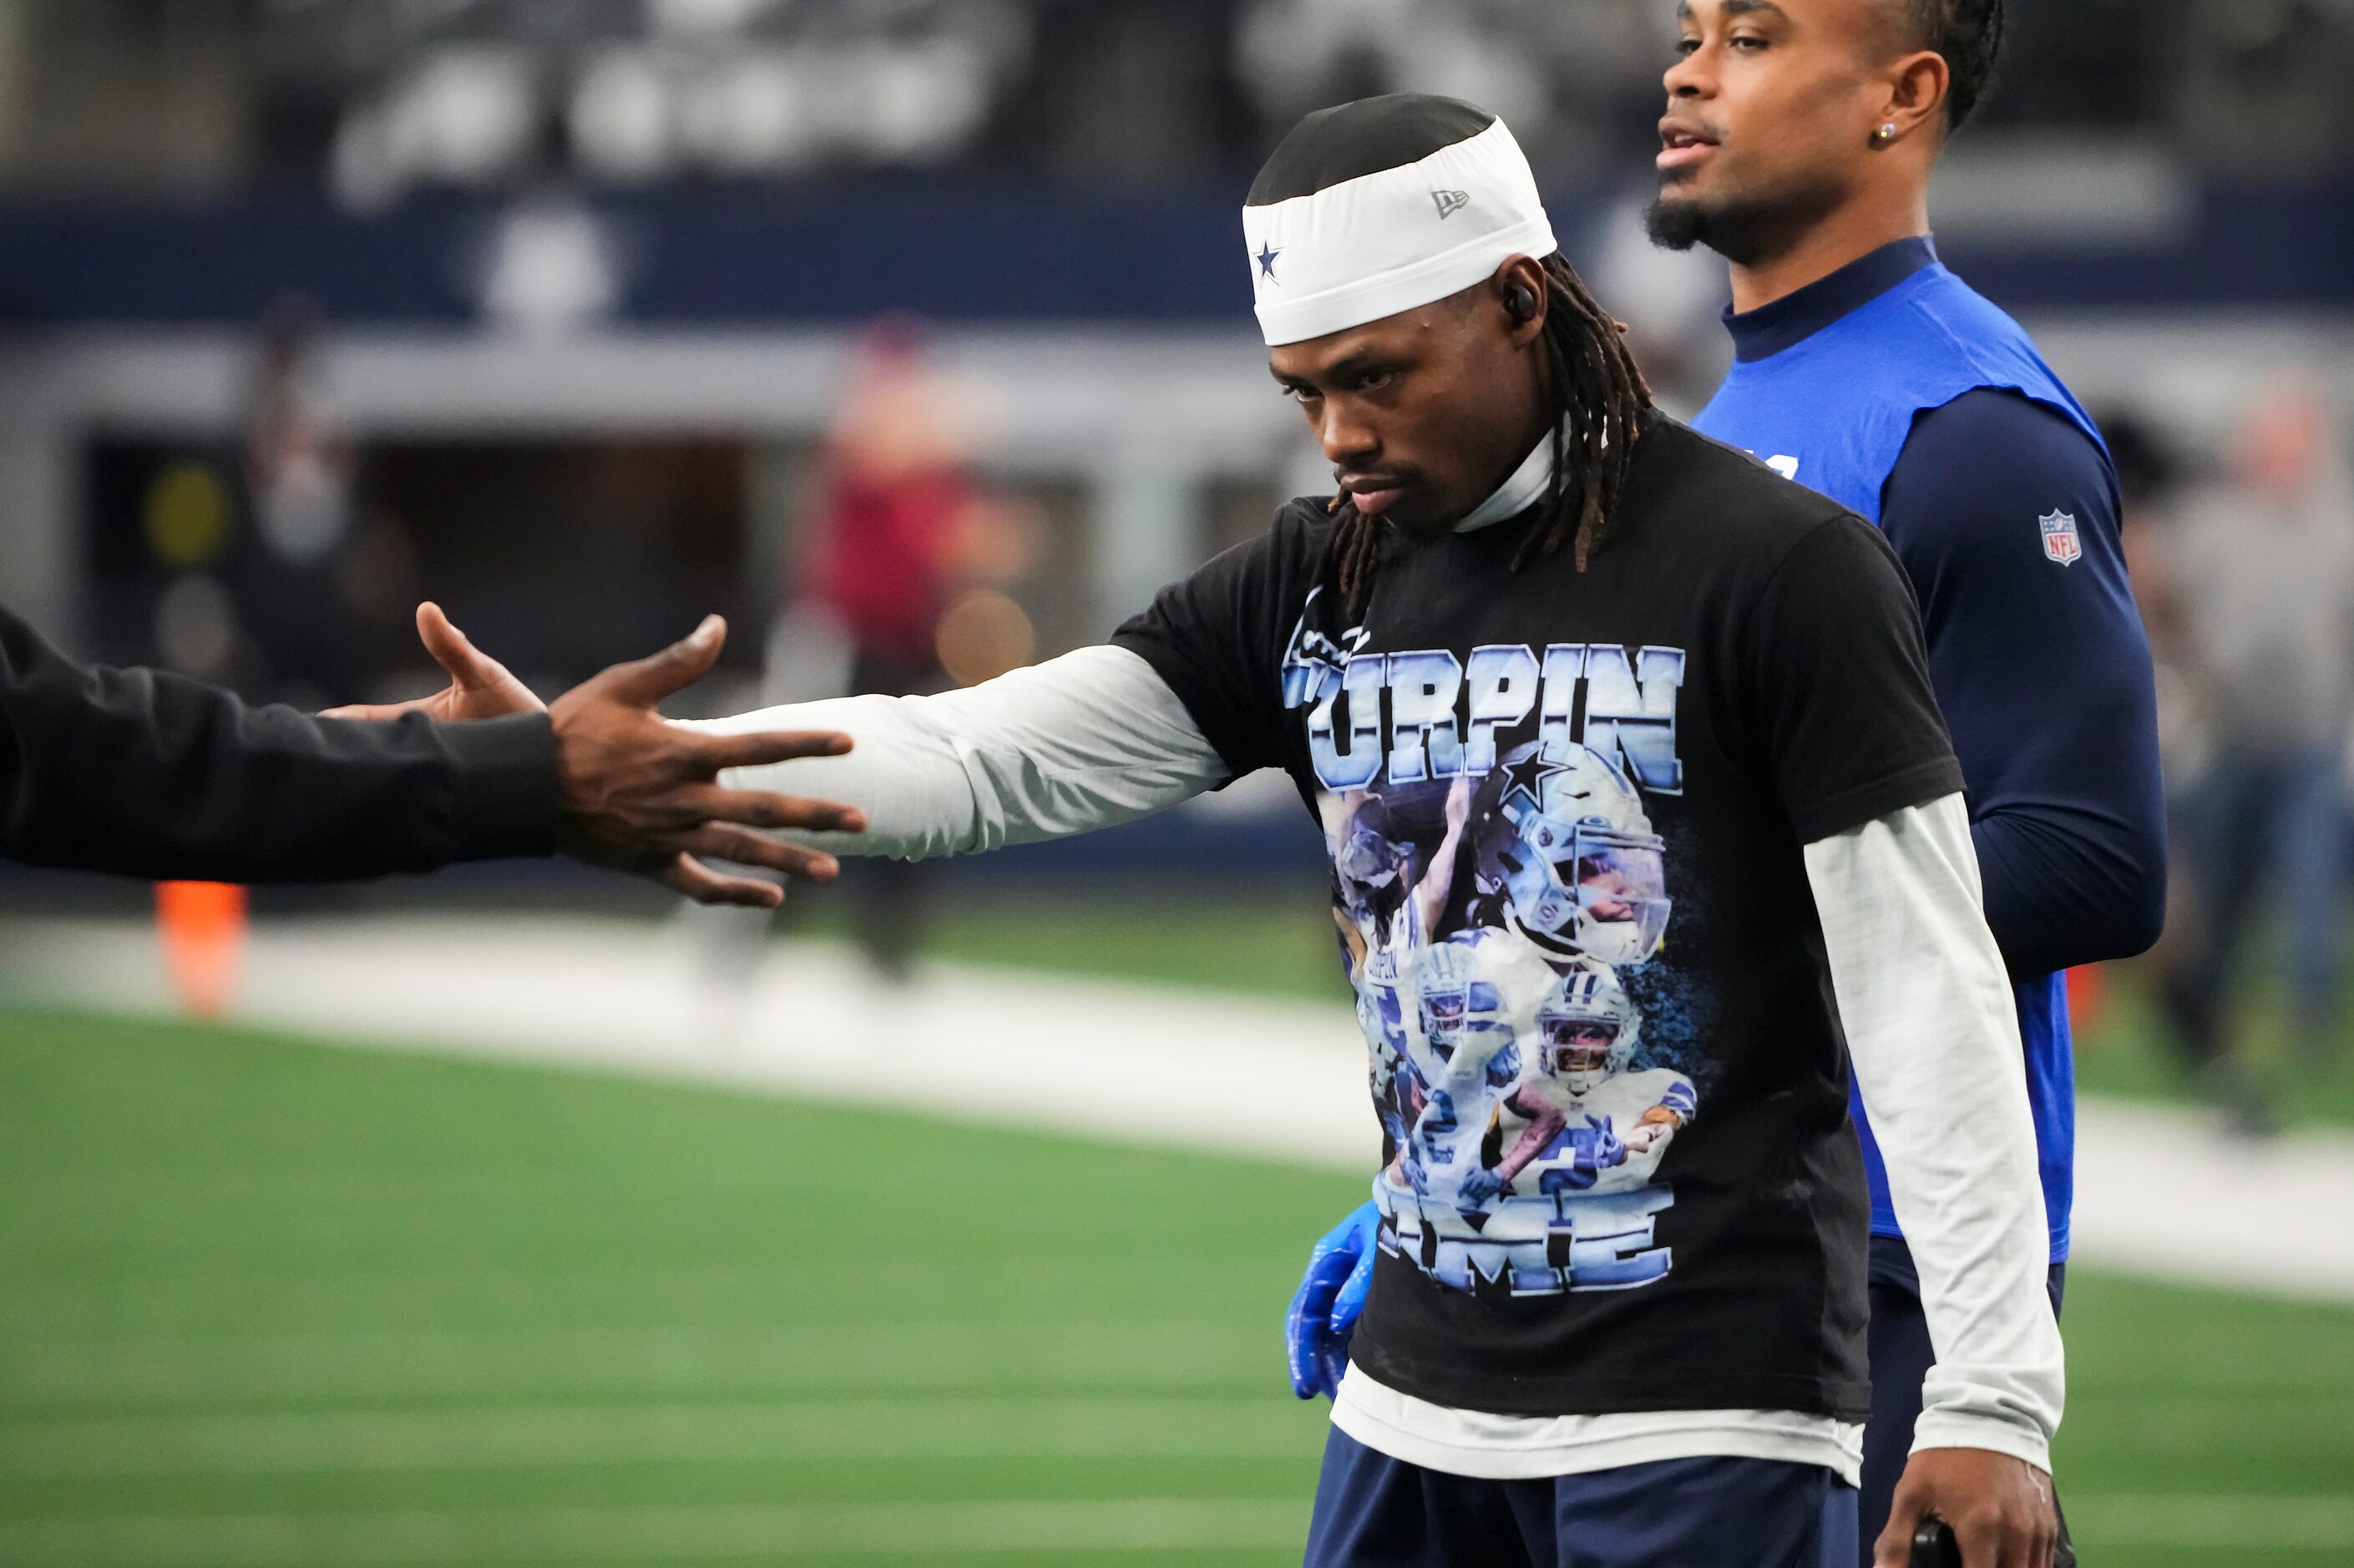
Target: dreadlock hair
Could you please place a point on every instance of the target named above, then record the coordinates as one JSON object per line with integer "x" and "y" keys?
{"x": 1598, "y": 398}
{"x": 1968, "y": 33}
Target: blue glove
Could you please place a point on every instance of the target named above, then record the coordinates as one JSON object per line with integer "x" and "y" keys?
{"x": 1602, "y": 1148}
{"x": 1325, "y": 1312}
{"x": 1477, "y": 1186}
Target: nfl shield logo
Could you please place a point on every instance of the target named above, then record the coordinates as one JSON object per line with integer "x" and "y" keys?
{"x": 2060, "y": 542}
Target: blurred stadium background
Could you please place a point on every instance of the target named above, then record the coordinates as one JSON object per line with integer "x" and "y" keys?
{"x": 919, "y": 1228}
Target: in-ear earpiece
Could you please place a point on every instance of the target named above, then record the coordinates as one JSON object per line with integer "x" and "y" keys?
{"x": 1520, "y": 303}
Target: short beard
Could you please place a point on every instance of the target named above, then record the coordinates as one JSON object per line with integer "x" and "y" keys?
{"x": 1745, "y": 230}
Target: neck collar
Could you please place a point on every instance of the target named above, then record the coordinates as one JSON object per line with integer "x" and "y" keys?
{"x": 1799, "y": 314}
{"x": 1521, "y": 490}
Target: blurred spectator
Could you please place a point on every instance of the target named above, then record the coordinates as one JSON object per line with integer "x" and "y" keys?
{"x": 901, "y": 593}
{"x": 298, "y": 466}
{"x": 2265, "y": 563}
{"x": 1579, "y": 82}
{"x": 896, "y": 520}
{"x": 374, "y": 100}
{"x": 290, "y": 596}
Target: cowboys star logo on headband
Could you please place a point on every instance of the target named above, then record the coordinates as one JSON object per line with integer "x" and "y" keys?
{"x": 1347, "y": 201}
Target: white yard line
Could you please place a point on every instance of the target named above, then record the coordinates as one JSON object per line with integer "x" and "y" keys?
{"x": 638, "y": 1534}
{"x": 2160, "y": 1192}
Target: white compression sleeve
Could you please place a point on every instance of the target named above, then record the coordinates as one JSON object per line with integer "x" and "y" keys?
{"x": 1934, "y": 1035}
{"x": 1089, "y": 740}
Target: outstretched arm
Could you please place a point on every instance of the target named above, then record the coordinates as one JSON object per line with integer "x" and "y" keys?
{"x": 148, "y": 774}
{"x": 1089, "y": 740}
{"x": 1545, "y": 1121}
{"x": 1437, "y": 883}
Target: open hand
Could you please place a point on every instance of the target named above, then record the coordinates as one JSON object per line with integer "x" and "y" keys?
{"x": 1477, "y": 1186}
{"x": 636, "y": 792}
{"x": 2001, "y": 1510}
{"x": 480, "y": 686}
{"x": 639, "y": 793}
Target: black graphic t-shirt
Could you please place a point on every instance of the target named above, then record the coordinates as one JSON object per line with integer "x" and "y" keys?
{"x": 1566, "y": 814}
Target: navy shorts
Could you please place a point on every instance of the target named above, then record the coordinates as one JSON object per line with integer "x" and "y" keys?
{"x": 1373, "y": 1512}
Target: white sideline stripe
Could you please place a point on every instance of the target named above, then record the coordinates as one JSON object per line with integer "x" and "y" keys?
{"x": 1265, "y": 1077}
{"x": 1250, "y": 1426}
{"x": 2160, "y": 1192}
{"x": 641, "y": 1534}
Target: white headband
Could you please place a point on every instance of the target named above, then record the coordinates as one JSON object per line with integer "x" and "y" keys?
{"x": 1386, "y": 242}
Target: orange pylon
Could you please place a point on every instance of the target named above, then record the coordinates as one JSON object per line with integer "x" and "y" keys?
{"x": 202, "y": 925}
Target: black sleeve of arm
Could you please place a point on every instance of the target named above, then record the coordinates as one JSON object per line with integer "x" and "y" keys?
{"x": 147, "y": 774}
{"x": 2042, "y": 669}
{"x": 1841, "y": 700}
{"x": 1216, "y": 639}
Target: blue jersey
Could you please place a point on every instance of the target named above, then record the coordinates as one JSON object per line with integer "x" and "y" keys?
{"x": 1904, "y": 395}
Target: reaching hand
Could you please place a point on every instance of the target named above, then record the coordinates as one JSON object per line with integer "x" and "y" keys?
{"x": 1477, "y": 1186}
{"x": 1330, "y": 1298}
{"x": 1600, "y": 1147}
{"x": 637, "y": 792}
{"x": 480, "y": 686}
{"x": 2000, "y": 1508}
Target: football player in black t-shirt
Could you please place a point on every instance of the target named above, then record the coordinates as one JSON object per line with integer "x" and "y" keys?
{"x": 1645, "y": 830}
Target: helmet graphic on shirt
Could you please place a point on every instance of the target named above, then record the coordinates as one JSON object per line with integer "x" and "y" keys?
{"x": 1586, "y": 877}
{"x": 1370, "y": 867}
{"x": 1453, "y": 997}
{"x": 1586, "y": 1029}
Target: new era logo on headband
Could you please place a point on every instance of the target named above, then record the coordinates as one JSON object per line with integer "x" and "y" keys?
{"x": 1451, "y": 201}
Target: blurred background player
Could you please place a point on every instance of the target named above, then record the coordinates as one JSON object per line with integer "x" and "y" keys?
{"x": 892, "y": 505}
{"x": 2258, "y": 567}
{"x": 895, "y": 588}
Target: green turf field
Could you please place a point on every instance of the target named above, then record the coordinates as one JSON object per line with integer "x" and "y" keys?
{"x": 268, "y": 1303}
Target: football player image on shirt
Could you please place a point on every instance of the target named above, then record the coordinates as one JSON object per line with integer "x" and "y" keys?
{"x": 1592, "y": 1122}
{"x": 1582, "y": 1128}
{"x": 1386, "y": 897}
{"x": 1567, "y": 879}
{"x": 1473, "y": 996}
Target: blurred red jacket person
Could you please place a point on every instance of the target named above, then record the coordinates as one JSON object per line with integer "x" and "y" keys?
{"x": 892, "y": 501}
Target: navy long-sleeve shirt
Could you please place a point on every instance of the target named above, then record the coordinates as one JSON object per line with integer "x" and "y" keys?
{"x": 2043, "y": 675}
